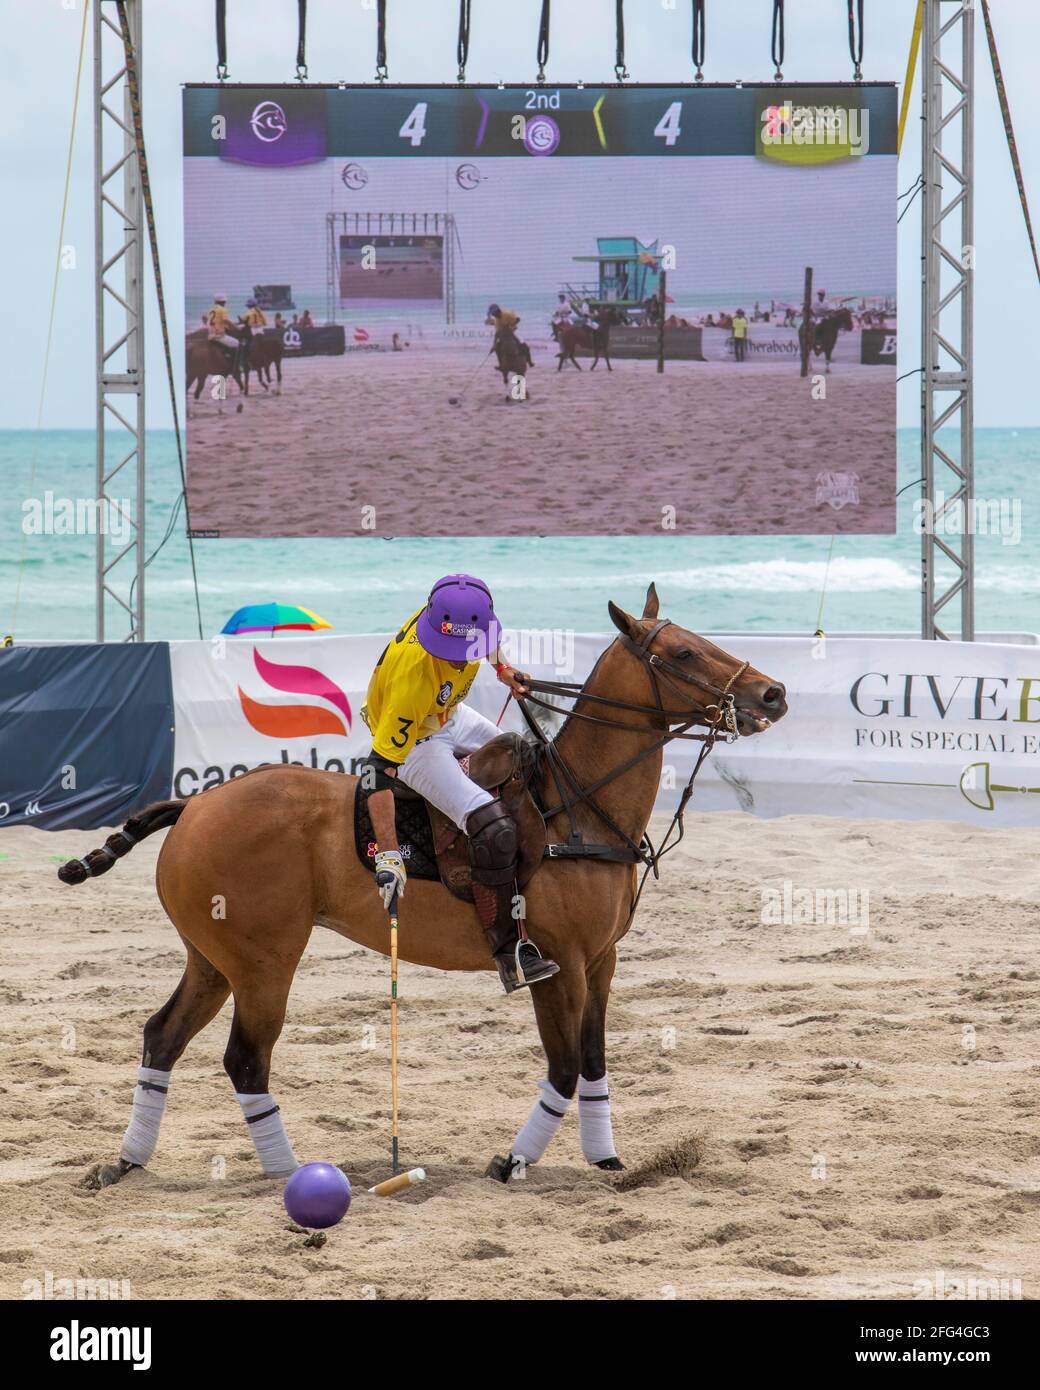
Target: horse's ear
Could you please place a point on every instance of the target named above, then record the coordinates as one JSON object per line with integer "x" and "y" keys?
{"x": 624, "y": 622}
{"x": 652, "y": 607}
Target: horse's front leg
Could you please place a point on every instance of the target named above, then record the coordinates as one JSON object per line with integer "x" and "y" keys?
{"x": 597, "y": 1138}
{"x": 559, "y": 1006}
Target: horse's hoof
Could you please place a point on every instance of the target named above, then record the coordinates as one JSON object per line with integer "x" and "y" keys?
{"x": 502, "y": 1169}
{"x": 101, "y": 1175}
{"x": 238, "y": 408}
{"x": 611, "y": 1165}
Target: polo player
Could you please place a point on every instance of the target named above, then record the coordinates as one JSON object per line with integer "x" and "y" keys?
{"x": 420, "y": 724}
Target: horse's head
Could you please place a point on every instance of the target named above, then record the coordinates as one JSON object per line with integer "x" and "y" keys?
{"x": 844, "y": 317}
{"x": 694, "y": 674}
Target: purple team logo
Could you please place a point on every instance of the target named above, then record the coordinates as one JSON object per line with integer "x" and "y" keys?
{"x": 541, "y": 135}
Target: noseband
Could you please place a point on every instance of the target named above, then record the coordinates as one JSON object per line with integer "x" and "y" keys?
{"x": 718, "y": 718}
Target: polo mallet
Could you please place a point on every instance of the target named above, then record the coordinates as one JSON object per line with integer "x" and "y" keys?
{"x": 457, "y": 400}
{"x": 395, "y": 1166}
{"x": 399, "y": 1180}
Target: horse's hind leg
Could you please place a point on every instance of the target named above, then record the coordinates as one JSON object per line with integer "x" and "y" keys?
{"x": 259, "y": 1014}
{"x": 597, "y": 1139}
{"x": 195, "y": 1002}
{"x": 559, "y": 1005}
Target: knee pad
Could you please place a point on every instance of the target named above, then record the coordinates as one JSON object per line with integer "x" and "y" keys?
{"x": 493, "y": 844}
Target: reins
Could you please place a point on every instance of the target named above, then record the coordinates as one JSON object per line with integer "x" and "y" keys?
{"x": 718, "y": 718}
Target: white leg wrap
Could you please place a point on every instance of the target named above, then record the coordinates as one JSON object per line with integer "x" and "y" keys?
{"x": 268, "y": 1134}
{"x": 541, "y": 1125}
{"x": 142, "y": 1133}
{"x": 597, "y": 1139}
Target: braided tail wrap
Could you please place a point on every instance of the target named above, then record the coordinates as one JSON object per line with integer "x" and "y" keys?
{"x": 155, "y": 817}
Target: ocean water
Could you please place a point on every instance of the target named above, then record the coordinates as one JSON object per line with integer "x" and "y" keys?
{"x": 727, "y": 583}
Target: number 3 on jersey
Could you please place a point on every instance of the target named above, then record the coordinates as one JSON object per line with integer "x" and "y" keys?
{"x": 402, "y": 737}
{"x": 667, "y": 128}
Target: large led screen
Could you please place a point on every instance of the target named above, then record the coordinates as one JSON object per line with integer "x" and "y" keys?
{"x": 548, "y": 311}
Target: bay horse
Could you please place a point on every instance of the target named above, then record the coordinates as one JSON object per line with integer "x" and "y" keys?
{"x": 825, "y": 332}
{"x": 266, "y": 350}
{"x": 595, "y": 340}
{"x": 206, "y": 358}
{"x": 274, "y": 848}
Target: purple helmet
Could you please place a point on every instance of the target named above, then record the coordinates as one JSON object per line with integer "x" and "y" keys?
{"x": 458, "y": 622}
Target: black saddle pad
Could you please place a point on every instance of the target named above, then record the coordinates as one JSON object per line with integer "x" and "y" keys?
{"x": 414, "y": 835}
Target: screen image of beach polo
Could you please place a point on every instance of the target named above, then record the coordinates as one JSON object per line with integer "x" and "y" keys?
{"x": 439, "y": 311}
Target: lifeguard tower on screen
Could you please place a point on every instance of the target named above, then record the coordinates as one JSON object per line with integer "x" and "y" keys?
{"x": 629, "y": 278}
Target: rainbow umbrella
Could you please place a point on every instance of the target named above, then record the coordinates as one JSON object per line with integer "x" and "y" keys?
{"x": 273, "y": 617}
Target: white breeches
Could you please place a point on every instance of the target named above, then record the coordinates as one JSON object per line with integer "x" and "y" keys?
{"x": 431, "y": 768}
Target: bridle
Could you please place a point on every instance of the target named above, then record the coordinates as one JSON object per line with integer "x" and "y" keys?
{"x": 719, "y": 718}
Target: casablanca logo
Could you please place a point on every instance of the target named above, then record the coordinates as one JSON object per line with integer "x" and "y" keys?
{"x": 361, "y": 335}
{"x": 444, "y": 694}
{"x": 268, "y": 122}
{"x": 291, "y": 339}
{"x": 296, "y": 721}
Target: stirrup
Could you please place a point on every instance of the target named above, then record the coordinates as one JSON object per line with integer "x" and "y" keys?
{"x": 512, "y": 974}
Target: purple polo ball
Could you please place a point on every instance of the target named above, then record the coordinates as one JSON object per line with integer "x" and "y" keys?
{"x": 317, "y": 1195}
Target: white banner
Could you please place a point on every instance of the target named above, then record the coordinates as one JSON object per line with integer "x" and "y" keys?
{"x": 884, "y": 727}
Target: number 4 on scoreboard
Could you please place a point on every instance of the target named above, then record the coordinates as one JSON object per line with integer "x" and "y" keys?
{"x": 667, "y": 128}
{"x": 414, "y": 128}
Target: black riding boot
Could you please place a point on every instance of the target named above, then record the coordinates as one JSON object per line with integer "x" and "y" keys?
{"x": 493, "y": 851}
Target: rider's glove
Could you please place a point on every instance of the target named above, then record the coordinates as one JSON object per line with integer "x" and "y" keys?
{"x": 390, "y": 875}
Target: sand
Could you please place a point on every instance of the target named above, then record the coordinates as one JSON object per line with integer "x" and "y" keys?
{"x": 831, "y": 1134}
{"x": 730, "y": 449}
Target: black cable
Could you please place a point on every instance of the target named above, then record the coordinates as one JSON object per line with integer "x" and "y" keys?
{"x": 543, "y": 40}
{"x": 170, "y": 527}
{"x": 381, "y": 70}
{"x": 856, "y": 44}
{"x": 912, "y": 189}
{"x": 697, "y": 45}
{"x": 910, "y": 203}
{"x": 222, "y": 70}
{"x": 620, "y": 71}
{"x": 301, "y": 46}
{"x": 777, "y": 47}
{"x": 463, "y": 48}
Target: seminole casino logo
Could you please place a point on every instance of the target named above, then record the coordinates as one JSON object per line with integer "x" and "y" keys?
{"x": 284, "y": 721}
{"x": 268, "y": 122}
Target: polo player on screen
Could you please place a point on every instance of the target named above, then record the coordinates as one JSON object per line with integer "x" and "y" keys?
{"x": 504, "y": 322}
{"x": 419, "y": 722}
{"x": 218, "y": 322}
{"x": 254, "y": 320}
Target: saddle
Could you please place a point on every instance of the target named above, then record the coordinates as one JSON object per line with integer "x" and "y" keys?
{"x": 434, "y": 847}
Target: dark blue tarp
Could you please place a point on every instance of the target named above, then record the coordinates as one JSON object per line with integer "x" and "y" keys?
{"x": 86, "y": 733}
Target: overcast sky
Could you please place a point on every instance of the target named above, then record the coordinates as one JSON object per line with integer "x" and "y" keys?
{"x": 42, "y": 40}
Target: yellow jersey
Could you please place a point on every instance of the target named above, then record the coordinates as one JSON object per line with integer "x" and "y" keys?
{"x": 411, "y": 694}
{"x": 255, "y": 317}
{"x": 219, "y": 318}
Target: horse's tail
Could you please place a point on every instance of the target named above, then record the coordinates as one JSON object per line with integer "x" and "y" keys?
{"x": 155, "y": 817}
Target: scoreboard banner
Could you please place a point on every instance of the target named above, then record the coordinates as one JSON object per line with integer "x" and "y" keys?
{"x": 509, "y": 295}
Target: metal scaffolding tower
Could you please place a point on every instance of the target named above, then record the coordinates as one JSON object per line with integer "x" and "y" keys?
{"x": 947, "y": 256}
{"x": 119, "y": 242}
